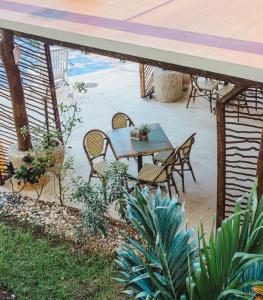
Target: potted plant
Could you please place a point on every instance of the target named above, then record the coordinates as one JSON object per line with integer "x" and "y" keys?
{"x": 32, "y": 175}
{"x": 48, "y": 145}
{"x": 143, "y": 131}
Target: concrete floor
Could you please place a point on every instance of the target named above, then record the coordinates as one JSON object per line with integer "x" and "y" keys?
{"x": 118, "y": 90}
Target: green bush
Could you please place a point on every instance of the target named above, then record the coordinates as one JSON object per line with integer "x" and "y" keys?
{"x": 96, "y": 198}
{"x": 167, "y": 258}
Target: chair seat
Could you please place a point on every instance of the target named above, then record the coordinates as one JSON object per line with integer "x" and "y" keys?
{"x": 208, "y": 85}
{"x": 224, "y": 90}
{"x": 101, "y": 166}
{"x": 161, "y": 156}
{"x": 149, "y": 173}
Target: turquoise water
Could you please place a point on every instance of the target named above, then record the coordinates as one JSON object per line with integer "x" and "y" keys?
{"x": 80, "y": 63}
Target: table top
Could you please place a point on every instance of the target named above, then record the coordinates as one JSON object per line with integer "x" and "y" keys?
{"x": 124, "y": 146}
{"x": 224, "y": 37}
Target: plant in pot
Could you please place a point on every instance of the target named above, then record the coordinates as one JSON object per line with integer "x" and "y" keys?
{"x": 144, "y": 131}
{"x": 32, "y": 174}
{"x": 54, "y": 144}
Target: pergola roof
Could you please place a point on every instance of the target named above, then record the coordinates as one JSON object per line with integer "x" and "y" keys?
{"x": 224, "y": 37}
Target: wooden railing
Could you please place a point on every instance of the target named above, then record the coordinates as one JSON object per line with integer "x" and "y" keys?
{"x": 39, "y": 92}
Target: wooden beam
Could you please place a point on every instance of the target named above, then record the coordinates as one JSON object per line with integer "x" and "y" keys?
{"x": 16, "y": 90}
{"x": 260, "y": 168}
{"x": 146, "y": 61}
{"x": 221, "y": 151}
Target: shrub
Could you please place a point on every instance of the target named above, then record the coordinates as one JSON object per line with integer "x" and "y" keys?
{"x": 165, "y": 261}
{"x": 96, "y": 198}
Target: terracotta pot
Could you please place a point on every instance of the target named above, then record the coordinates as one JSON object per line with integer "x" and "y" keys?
{"x": 144, "y": 137}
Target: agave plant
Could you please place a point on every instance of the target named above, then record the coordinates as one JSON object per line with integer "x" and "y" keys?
{"x": 156, "y": 266}
{"x": 226, "y": 266}
{"x": 231, "y": 261}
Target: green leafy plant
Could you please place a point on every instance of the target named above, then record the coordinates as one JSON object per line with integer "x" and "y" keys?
{"x": 80, "y": 87}
{"x": 96, "y": 198}
{"x": 157, "y": 266}
{"x": 226, "y": 266}
{"x": 230, "y": 254}
{"x": 31, "y": 172}
{"x": 144, "y": 129}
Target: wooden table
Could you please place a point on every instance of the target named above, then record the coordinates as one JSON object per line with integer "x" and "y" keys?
{"x": 123, "y": 146}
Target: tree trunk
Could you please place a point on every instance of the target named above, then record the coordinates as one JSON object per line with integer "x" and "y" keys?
{"x": 16, "y": 90}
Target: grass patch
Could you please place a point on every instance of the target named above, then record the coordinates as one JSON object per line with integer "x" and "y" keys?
{"x": 34, "y": 269}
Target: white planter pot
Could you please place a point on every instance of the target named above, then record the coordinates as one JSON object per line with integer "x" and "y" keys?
{"x": 16, "y": 157}
{"x": 57, "y": 155}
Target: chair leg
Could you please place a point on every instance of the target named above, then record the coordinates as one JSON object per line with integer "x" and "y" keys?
{"x": 191, "y": 169}
{"x": 210, "y": 102}
{"x": 194, "y": 95}
{"x": 174, "y": 184}
{"x": 246, "y": 103}
{"x": 169, "y": 188}
{"x": 182, "y": 176}
{"x": 191, "y": 95}
{"x": 90, "y": 176}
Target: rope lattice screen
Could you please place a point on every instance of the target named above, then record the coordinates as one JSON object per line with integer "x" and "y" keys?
{"x": 243, "y": 127}
{"x": 39, "y": 90}
{"x": 146, "y": 80}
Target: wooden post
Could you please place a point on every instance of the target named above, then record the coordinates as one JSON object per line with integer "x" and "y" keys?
{"x": 221, "y": 150}
{"x": 260, "y": 169}
{"x": 16, "y": 90}
{"x": 142, "y": 81}
{"x": 221, "y": 163}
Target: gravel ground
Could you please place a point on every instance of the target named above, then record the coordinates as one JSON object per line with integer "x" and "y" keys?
{"x": 6, "y": 294}
{"x": 64, "y": 222}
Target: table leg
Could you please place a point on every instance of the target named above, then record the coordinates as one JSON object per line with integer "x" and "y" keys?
{"x": 139, "y": 162}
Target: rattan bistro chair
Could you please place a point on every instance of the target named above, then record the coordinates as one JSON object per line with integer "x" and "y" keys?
{"x": 157, "y": 174}
{"x": 96, "y": 144}
{"x": 183, "y": 162}
{"x": 204, "y": 88}
{"x": 121, "y": 120}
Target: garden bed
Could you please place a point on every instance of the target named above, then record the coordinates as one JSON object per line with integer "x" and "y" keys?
{"x": 62, "y": 223}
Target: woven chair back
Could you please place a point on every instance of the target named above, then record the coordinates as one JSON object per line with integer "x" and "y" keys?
{"x": 95, "y": 144}
{"x": 186, "y": 147}
{"x": 121, "y": 120}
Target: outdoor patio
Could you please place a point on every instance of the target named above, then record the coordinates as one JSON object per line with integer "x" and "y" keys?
{"x": 117, "y": 89}
{"x": 92, "y": 94}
